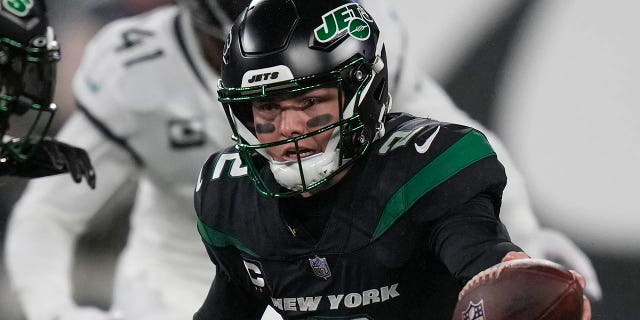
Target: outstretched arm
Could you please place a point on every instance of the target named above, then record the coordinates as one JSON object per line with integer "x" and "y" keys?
{"x": 430, "y": 100}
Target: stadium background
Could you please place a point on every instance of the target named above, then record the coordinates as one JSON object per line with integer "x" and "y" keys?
{"x": 553, "y": 78}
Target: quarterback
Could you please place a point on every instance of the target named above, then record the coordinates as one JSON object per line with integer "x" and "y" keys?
{"x": 328, "y": 206}
{"x": 146, "y": 92}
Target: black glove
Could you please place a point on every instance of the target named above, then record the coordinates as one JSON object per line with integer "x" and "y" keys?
{"x": 52, "y": 157}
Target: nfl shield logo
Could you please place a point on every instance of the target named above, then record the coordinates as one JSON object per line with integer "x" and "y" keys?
{"x": 474, "y": 311}
{"x": 320, "y": 267}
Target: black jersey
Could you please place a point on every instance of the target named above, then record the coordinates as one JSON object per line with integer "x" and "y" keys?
{"x": 410, "y": 223}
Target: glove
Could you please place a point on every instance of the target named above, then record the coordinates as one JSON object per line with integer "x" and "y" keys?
{"x": 555, "y": 246}
{"x": 52, "y": 157}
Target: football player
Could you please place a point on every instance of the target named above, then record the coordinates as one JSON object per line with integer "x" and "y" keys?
{"x": 147, "y": 112}
{"x": 28, "y": 57}
{"x": 328, "y": 206}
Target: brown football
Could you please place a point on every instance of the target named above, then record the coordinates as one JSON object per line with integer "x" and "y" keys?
{"x": 523, "y": 289}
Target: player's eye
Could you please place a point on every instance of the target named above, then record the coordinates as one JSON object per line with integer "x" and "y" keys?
{"x": 310, "y": 102}
{"x": 270, "y": 107}
{"x": 266, "y": 107}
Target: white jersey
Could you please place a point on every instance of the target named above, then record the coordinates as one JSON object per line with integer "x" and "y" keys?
{"x": 148, "y": 111}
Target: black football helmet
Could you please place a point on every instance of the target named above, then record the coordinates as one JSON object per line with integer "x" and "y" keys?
{"x": 28, "y": 57}
{"x": 281, "y": 48}
{"x": 214, "y": 17}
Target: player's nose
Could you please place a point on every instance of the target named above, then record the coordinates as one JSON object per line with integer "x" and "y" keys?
{"x": 292, "y": 123}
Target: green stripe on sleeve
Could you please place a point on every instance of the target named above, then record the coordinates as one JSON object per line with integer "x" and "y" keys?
{"x": 216, "y": 238}
{"x": 466, "y": 151}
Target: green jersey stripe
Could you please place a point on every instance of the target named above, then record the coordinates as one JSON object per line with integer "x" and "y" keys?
{"x": 216, "y": 238}
{"x": 466, "y": 151}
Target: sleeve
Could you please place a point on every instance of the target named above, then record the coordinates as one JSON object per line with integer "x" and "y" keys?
{"x": 227, "y": 300}
{"x": 51, "y": 157}
{"x": 416, "y": 93}
{"x": 470, "y": 238}
{"x": 49, "y": 217}
{"x": 425, "y": 98}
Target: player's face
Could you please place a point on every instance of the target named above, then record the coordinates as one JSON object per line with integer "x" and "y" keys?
{"x": 280, "y": 119}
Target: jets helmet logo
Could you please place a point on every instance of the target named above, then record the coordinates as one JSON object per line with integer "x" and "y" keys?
{"x": 266, "y": 76}
{"x": 18, "y": 7}
{"x": 349, "y": 18}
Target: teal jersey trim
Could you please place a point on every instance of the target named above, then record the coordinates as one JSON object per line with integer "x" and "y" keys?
{"x": 471, "y": 148}
{"x": 216, "y": 238}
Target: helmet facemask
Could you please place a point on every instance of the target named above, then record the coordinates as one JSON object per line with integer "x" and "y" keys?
{"x": 346, "y": 137}
{"x": 27, "y": 83}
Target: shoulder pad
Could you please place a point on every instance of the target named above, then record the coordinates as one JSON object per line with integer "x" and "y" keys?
{"x": 427, "y": 159}
{"x": 220, "y": 165}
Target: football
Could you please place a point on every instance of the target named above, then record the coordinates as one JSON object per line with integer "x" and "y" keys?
{"x": 523, "y": 289}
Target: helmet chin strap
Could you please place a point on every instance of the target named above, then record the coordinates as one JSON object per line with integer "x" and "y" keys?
{"x": 380, "y": 130}
{"x": 52, "y": 43}
{"x": 314, "y": 168}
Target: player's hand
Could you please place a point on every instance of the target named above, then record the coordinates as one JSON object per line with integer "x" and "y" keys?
{"x": 513, "y": 255}
{"x": 52, "y": 157}
{"x": 586, "y": 304}
{"x": 84, "y": 313}
{"x": 555, "y": 246}
{"x": 75, "y": 160}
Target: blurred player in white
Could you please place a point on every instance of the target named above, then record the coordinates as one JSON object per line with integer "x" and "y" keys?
{"x": 148, "y": 111}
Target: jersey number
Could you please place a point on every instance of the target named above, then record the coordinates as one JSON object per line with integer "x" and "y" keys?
{"x": 398, "y": 139}
{"x": 134, "y": 37}
{"x": 232, "y": 162}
